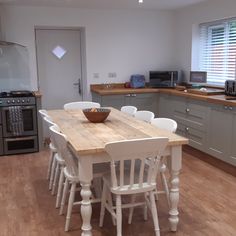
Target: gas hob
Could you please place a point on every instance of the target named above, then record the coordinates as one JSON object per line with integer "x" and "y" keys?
{"x": 16, "y": 98}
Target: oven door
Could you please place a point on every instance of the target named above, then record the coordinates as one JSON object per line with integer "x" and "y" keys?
{"x": 20, "y": 145}
{"x": 29, "y": 122}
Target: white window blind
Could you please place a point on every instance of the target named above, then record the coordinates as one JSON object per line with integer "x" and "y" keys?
{"x": 218, "y": 50}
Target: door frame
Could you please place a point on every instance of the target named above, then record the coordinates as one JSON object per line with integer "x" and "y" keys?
{"x": 82, "y": 54}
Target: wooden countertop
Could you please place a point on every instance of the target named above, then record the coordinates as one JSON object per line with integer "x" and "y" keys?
{"x": 90, "y": 138}
{"x": 37, "y": 94}
{"x": 118, "y": 89}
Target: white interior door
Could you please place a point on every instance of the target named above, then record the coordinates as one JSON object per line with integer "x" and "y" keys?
{"x": 59, "y": 66}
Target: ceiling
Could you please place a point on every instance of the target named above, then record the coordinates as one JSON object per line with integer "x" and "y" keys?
{"x": 108, "y": 4}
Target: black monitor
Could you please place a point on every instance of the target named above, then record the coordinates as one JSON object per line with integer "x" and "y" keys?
{"x": 198, "y": 77}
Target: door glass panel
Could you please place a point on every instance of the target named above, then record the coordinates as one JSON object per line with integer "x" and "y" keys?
{"x": 59, "y": 52}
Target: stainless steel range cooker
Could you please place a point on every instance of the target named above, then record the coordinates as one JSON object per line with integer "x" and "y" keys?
{"x": 18, "y": 123}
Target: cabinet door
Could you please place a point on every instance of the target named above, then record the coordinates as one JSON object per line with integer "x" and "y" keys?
{"x": 232, "y": 156}
{"x": 144, "y": 101}
{"x": 219, "y": 133}
{"x": 165, "y": 108}
{"x": 116, "y": 101}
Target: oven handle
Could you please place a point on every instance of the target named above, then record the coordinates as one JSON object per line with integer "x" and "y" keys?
{"x": 22, "y": 107}
{"x": 19, "y": 139}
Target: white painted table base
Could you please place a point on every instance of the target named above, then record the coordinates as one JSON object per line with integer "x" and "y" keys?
{"x": 86, "y": 176}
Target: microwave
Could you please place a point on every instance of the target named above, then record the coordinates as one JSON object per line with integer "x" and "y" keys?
{"x": 163, "y": 79}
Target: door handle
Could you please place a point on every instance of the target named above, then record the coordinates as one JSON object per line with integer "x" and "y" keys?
{"x": 79, "y": 86}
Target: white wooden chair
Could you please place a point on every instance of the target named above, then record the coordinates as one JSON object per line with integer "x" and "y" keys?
{"x": 146, "y": 116}
{"x": 81, "y": 105}
{"x": 56, "y": 163}
{"x": 51, "y": 164}
{"x": 165, "y": 123}
{"x": 70, "y": 174}
{"x": 170, "y": 125}
{"x": 131, "y": 110}
{"x": 138, "y": 178}
{"x": 43, "y": 113}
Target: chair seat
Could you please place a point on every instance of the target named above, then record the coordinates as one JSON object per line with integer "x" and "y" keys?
{"x": 59, "y": 159}
{"x": 71, "y": 178}
{"x": 52, "y": 147}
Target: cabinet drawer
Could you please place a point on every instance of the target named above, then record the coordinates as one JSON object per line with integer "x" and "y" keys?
{"x": 197, "y": 138}
{"x": 189, "y": 122}
{"x": 194, "y": 113}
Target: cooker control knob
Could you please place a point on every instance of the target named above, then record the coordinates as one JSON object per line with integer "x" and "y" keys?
{"x": 13, "y": 101}
{"x": 18, "y": 101}
{"x": 8, "y": 101}
{"x": 22, "y": 100}
{"x": 28, "y": 100}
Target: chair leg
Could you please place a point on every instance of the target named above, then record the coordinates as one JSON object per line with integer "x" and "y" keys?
{"x": 154, "y": 214}
{"x": 103, "y": 202}
{"x": 55, "y": 179}
{"x": 63, "y": 200}
{"x": 50, "y": 164}
{"x": 70, "y": 205}
{"x": 110, "y": 202}
{"x": 118, "y": 216}
{"x": 131, "y": 209}
{"x": 60, "y": 185}
{"x": 165, "y": 185}
{"x": 54, "y": 162}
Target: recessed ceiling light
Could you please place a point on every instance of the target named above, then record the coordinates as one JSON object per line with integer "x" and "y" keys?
{"x": 140, "y": 1}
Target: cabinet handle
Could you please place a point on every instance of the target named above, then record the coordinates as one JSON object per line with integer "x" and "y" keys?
{"x": 127, "y": 95}
{"x": 230, "y": 108}
{"x": 187, "y": 110}
{"x": 187, "y": 129}
{"x": 133, "y": 95}
{"x": 226, "y": 107}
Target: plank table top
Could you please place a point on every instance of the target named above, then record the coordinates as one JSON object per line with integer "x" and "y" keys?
{"x": 88, "y": 138}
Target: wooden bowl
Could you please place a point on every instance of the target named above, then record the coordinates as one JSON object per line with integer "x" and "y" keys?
{"x": 96, "y": 115}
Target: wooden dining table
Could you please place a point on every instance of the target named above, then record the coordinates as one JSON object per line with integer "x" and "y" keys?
{"x": 87, "y": 141}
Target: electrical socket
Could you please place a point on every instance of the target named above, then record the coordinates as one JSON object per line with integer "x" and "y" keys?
{"x": 112, "y": 75}
{"x": 95, "y": 75}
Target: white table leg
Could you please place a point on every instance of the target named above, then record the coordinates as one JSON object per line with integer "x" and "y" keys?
{"x": 174, "y": 167}
{"x": 85, "y": 176}
{"x": 86, "y": 209}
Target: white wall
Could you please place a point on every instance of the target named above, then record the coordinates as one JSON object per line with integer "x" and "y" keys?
{"x": 186, "y": 21}
{"x": 120, "y": 41}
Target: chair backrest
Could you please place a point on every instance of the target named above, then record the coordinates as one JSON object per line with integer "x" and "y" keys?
{"x": 165, "y": 123}
{"x": 81, "y": 105}
{"x": 131, "y": 110}
{"x": 62, "y": 150}
{"x": 48, "y": 121}
{"x": 144, "y": 115}
{"x": 132, "y": 156}
{"x": 43, "y": 113}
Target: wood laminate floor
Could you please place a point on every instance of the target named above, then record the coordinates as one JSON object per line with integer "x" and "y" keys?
{"x": 207, "y": 202}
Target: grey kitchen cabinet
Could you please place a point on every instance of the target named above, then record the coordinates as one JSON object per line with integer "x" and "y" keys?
{"x": 116, "y": 101}
{"x": 222, "y": 133}
{"x": 166, "y": 106}
{"x": 209, "y": 127}
{"x": 190, "y": 115}
{"x": 143, "y": 101}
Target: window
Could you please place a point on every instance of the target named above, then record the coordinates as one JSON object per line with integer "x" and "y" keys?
{"x": 218, "y": 50}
